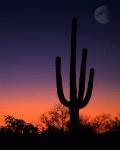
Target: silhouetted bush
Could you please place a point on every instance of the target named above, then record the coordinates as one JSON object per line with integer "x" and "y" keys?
{"x": 101, "y": 130}
{"x": 18, "y": 127}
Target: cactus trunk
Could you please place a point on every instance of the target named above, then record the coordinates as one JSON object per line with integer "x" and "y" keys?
{"x": 74, "y": 121}
{"x": 77, "y": 100}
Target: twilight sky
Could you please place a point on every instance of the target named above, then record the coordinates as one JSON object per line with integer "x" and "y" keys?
{"x": 33, "y": 33}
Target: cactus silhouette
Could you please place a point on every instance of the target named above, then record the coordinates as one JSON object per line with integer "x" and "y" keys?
{"x": 78, "y": 100}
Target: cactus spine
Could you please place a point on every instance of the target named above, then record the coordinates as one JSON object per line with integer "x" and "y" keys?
{"x": 78, "y": 100}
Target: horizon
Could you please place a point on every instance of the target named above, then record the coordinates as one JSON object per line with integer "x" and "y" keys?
{"x": 34, "y": 33}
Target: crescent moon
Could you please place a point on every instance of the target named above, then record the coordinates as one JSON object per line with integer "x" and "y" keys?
{"x": 102, "y": 14}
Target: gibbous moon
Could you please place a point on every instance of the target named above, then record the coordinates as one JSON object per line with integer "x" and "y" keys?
{"x": 102, "y": 14}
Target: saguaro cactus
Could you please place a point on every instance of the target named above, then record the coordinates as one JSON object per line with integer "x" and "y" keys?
{"x": 78, "y": 100}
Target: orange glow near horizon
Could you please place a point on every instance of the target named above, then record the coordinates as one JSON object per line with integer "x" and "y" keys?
{"x": 30, "y": 106}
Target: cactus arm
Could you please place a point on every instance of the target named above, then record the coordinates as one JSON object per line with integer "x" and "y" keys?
{"x": 82, "y": 75}
{"x": 73, "y": 89}
{"x": 86, "y": 100}
{"x": 59, "y": 83}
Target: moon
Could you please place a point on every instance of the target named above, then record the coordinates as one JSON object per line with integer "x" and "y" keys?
{"x": 102, "y": 14}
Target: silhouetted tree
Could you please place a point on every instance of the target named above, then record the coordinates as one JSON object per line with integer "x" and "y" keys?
{"x": 56, "y": 118}
{"x": 115, "y": 125}
{"x": 19, "y": 126}
{"x": 15, "y": 125}
{"x": 102, "y": 123}
{"x": 76, "y": 101}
